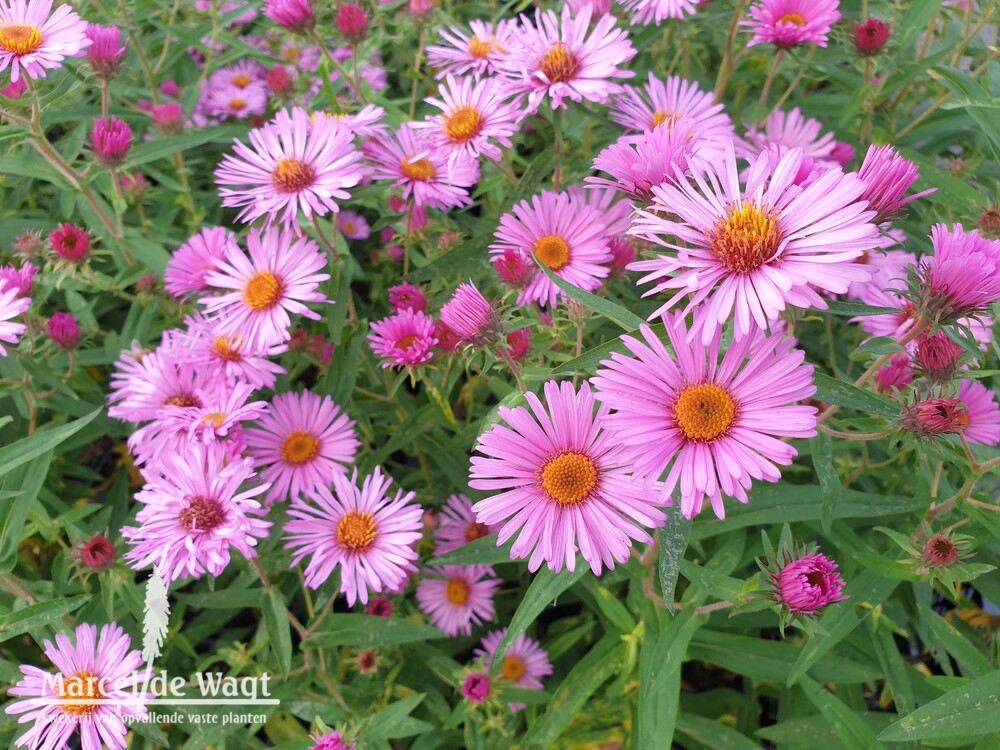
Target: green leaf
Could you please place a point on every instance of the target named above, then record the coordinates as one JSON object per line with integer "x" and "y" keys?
{"x": 822, "y": 454}
{"x": 26, "y": 620}
{"x": 27, "y": 481}
{"x": 972, "y": 709}
{"x": 482, "y": 551}
{"x": 272, "y": 606}
{"x": 837, "y": 392}
{"x": 673, "y": 540}
{"x": 895, "y": 669}
{"x": 602, "y": 599}
{"x": 616, "y": 313}
{"x": 167, "y": 145}
{"x": 855, "y": 308}
{"x": 849, "y": 727}
{"x": 532, "y": 177}
{"x": 713, "y": 734}
{"x": 33, "y": 446}
{"x": 969, "y": 658}
{"x": 394, "y": 721}
{"x": 368, "y": 630}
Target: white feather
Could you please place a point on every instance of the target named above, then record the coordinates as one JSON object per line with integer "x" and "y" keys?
{"x": 156, "y": 620}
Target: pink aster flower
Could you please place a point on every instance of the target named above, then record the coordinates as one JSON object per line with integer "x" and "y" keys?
{"x": 191, "y": 263}
{"x": 789, "y": 130}
{"x": 897, "y": 375}
{"x": 241, "y": 103}
{"x": 63, "y": 331}
{"x": 292, "y": 164}
{"x": 12, "y": 304}
{"x": 475, "y": 53}
{"x": 887, "y": 177}
{"x": 716, "y": 425}
{"x": 332, "y": 741}
{"x": 750, "y": 252}
{"x": 515, "y": 267}
{"x": 193, "y": 514}
{"x": 280, "y": 275}
{"x": 218, "y": 420}
{"x": 477, "y": 119}
{"x": 103, "y": 668}
{"x": 525, "y": 665}
{"x": 412, "y": 162}
{"x": 369, "y": 534}
{"x": 561, "y": 57}
{"x": 890, "y": 269}
{"x": 565, "y": 483}
{"x": 458, "y": 526}
{"x": 302, "y": 442}
{"x": 469, "y": 314}
{"x": 405, "y": 296}
{"x": 20, "y": 279}
{"x": 106, "y": 50}
{"x": 111, "y": 140}
{"x": 655, "y": 12}
{"x": 457, "y": 597}
{"x": 948, "y": 290}
{"x": 788, "y": 23}
{"x": 242, "y": 75}
{"x": 353, "y": 225}
{"x": 296, "y": 16}
{"x": 665, "y": 102}
{"x": 561, "y": 231}
{"x": 70, "y": 242}
{"x": 807, "y": 584}
{"x": 32, "y": 41}
{"x": 227, "y": 358}
{"x": 405, "y": 338}
{"x": 981, "y": 421}
{"x": 476, "y": 688}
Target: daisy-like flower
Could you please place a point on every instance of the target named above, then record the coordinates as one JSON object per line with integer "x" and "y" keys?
{"x": 476, "y": 688}
{"x": 20, "y": 279}
{"x": 412, "y": 162}
{"x": 476, "y": 118}
{"x": 364, "y": 530}
{"x": 353, "y": 225}
{"x": 280, "y": 275}
{"x": 32, "y": 41}
{"x": 807, "y": 584}
{"x": 717, "y": 425}
{"x": 469, "y": 314}
{"x": 458, "y": 526}
{"x": 292, "y": 164}
{"x": 792, "y": 130}
{"x": 365, "y": 122}
{"x": 789, "y": 23}
{"x": 456, "y": 597}
{"x": 887, "y": 177}
{"x": 145, "y": 383}
{"x": 219, "y": 420}
{"x": 561, "y": 231}
{"x": 565, "y": 483}
{"x": 302, "y": 442}
{"x": 981, "y": 422}
{"x": 404, "y": 339}
{"x": 332, "y": 741}
{"x": 750, "y": 252}
{"x": 405, "y": 296}
{"x": 103, "y": 668}
{"x": 226, "y": 357}
{"x": 243, "y": 75}
{"x": 896, "y": 375}
{"x": 12, "y": 304}
{"x": 526, "y": 663}
{"x": 241, "y": 103}
{"x": 191, "y": 263}
{"x": 890, "y": 268}
{"x": 948, "y": 290}
{"x": 70, "y": 242}
{"x": 194, "y": 514}
{"x": 561, "y": 57}
{"x": 665, "y": 102}
{"x": 475, "y": 52}
{"x": 655, "y": 12}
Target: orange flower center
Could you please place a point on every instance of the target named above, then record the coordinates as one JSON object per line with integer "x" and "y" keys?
{"x": 299, "y": 447}
{"x": 349, "y": 228}
{"x": 457, "y": 591}
{"x": 479, "y": 49}
{"x": 569, "y": 477}
{"x": 241, "y": 80}
{"x": 356, "y": 531}
{"x": 513, "y": 668}
{"x": 746, "y": 238}
{"x": 80, "y": 686}
{"x": 182, "y": 399}
{"x": 226, "y": 351}
{"x": 464, "y": 124}
{"x": 216, "y": 419}
{"x": 406, "y": 342}
{"x": 292, "y": 176}
{"x": 552, "y": 250}
{"x": 264, "y": 291}
{"x": 476, "y": 531}
{"x": 559, "y": 65}
{"x": 660, "y": 117}
{"x": 420, "y": 170}
{"x": 793, "y": 18}
{"x": 202, "y": 514}
{"x": 237, "y": 104}
{"x": 20, "y": 40}
{"x": 704, "y": 412}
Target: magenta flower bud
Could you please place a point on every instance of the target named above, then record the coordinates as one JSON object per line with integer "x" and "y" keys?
{"x": 898, "y": 374}
{"x": 887, "y": 176}
{"x": 279, "y": 81}
{"x": 170, "y": 88}
{"x": 476, "y": 688}
{"x": 935, "y": 416}
{"x": 380, "y": 606}
{"x": 70, "y": 242}
{"x": 447, "y": 339}
{"x": 106, "y": 50}
{"x": 395, "y": 253}
{"x": 870, "y": 37}
{"x": 938, "y": 357}
{"x": 169, "y": 117}
{"x": 15, "y": 90}
{"x": 297, "y": 16}
{"x": 332, "y": 741}
{"x": 962, "y": 278}
{"x": 63, "y": 330}
{"x": 519, "y": 343}
{"x": 28, "y": 244}
{"x": 514, "y": 267}
{"x": 989, "y": 222}
{"x": 622, "y": 253}
{"x": 134, "y": 186}
{"x": 405, "y": 296}
{"x": 474, "y": 318}
{"x": 397, "y": 204}
{"x": 421, "y": 10}
{"x": 12, "y": 278}
{"x": 98, "y": 553}
{"x": 941, "y": 551}
{"x": 806, "y": 585}
{"x": 111, "y": 140}
{"x": 352, "y": 22}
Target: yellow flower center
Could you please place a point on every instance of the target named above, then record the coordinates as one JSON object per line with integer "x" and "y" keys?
{"x": 80, "y": 686}
{"x": 237, "y": 104}
{"x": 264, "y": 291}
{"x": 704, "y": 412}
{"x": 405, "y": 342}
{"x": 569, "y": 477}
{"x": 464, "y": 124}
{"x": 513, "y": 668}
{"x": 457, "y": 591}
{"x": 559, "y": 65}
{"x": 479, "y": 49}
{"x": 793, "y": 18}
{"x": 746, "y": 238}
{"x": 349, "y": 228}
{"x": 476, "y": 531}
{"x": 292, "y": 176}
{"x": 420, "y": 170}
{"x": 202, "y": 514}
{"x": 299, "y": 447}
{"x": 225, "y": 350}
{"x": 356, "y": 531}
{"x": 20, "y": 40}
{"x": 552, "y": 250}
{"x": 660, "y": 117}
{"x": 216, "y": 419}
{"x": 241, "y": 80}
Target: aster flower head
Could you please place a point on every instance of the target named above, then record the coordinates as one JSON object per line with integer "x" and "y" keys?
{"x": 405, "y": 296}
{"x": 281, "y": 274}
{"x": 981, "y": 421}
{"x": 362, "y": 529}
{"x": 474, "y": 51}
{"x": 561, "y": 57}
{"x": 897, "y": 375}
{"x": 870, "y": 37}
{"x": 20, "y": 279}
{"x": 106, "y": 50}
{"x": 102, "y": 667}
{"x": 70, "y": 242}
{"x": 662, "y": 103}
{"x": 240, "y": 103}
{"x": 458, "y": 526}
{"x": 189, "y": 265}
{"x": 525, "y": 664}
{"x": 648, "y": 12}
{"x": 352, "y": 22}
{"x": 97, "y": 553}
{"x": 476, "y": 687}
{"x": 227, "y": 358}
{"x": 789, "y": 23}
{"x": 565, "y": 234}
{"x": 806, "y": 583}
{"x": 63, "y": 331}
{"x": 469, "y": 314}
{"x": 32, "y": 41}
{"x": 168, "y": 117}
{"x": 296, "y": 16}
{"x": 111, "y": 140}
{"x": 515, "y": 267}
{"x": 219, "y": 419}
{"x": 380, "y": 606}
{"x": 12, "y": 304}
{"x": 404, "y": 339}
{"x": 887, "y": 177}
{"x": 789, "y": 130}
{"x": 948, "y": 291}
{"x": 353, "y": 225}
{"x": 937, "y": 357}
{"x": 293, "y": 164}
{"x": 562, "y": 483}
{"x": 456, "y": 597}
{"x": 301, "y": 443}
{"x": 194, "y": 514}
{"x": 716, "y": 423}
{"x": 749, "y": 251}
{"x": 331, "y": 741}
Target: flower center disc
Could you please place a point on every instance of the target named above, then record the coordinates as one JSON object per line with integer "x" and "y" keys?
{"x": 299, "y": 448}
{"x": 356, "y": 531}
{"x": 21, "y": 40}
{"x": 513, "y": 668}
{"x": 80, "y": 686}
{"x": 420, "y": 170}
{"x": 182, "y": 399}
{"x": 405, "y": 343}
{"x": 704, "y": 412}
{"x": 793, "y": 18}
{"x": 476, "y": 531}
{"x": 457, "y": 591}
{"x": 553, "y": 251}
{"x": 292, "y": 176}
{"x": 202, "y": 514}
{"x": 216, "y": 419}
{"x": 660, "y": 117}
{"x": 464, "y": 124}
{"x": 237, "y": 105}
{"x": 241, "y": 80}
{"x": 264, "y": 291}
{"x": 559, "y": 65}
{"x": 746, "y": 238}
{"x": 569, "y": 478}
{"x": 225, "y": 351}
